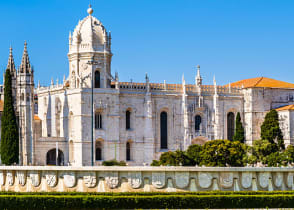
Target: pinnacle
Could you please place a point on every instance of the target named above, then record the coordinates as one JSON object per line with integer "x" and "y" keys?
{"x": 25, "y": 66}
{"x": 10, "y": 63}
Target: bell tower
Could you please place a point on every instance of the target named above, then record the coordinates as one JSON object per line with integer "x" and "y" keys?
{"x": 89, "y": 51}
{"x": 25, "y": 100}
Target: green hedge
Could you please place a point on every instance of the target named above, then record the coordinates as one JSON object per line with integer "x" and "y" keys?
{"x": 146, "y": 201}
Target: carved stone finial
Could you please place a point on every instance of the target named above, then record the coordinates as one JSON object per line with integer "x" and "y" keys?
{"x": 90, "y": 10}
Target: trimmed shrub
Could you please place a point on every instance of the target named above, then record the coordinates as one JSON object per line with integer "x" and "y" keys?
{"x": 148, "y": 201}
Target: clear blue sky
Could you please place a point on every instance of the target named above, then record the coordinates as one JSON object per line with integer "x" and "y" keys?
{"x": 232, "y": 39}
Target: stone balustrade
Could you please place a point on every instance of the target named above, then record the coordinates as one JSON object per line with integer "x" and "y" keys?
{"x": 179, "y": 88}
{"x": 143, "y": 179}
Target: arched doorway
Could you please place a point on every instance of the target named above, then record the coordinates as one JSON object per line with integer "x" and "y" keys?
{"x": 51, "y": 157}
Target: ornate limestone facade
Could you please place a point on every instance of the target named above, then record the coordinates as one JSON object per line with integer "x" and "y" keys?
{"x": 134, "y": 122}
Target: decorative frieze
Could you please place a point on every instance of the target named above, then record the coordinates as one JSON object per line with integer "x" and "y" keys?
{"x": 165, "y": 179}
{"x": 90, "y": 179}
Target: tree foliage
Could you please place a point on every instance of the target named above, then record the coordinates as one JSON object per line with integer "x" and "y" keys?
{"x": 270, "y": 129}
{"x": 9, "y": 130}
{"x": 177, "y": 158}
{"x": 239, "y": 132}
{"x": 269, "y": 154}
{"x": 193, "y": 153}
{"x": 223, "y": 153}
{"x": 113, "y": 163}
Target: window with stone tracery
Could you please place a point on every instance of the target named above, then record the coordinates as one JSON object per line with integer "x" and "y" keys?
{"x": 97, "y": 79}
{"x": 128, "y": 120}
{"x": 163, "y": 130}
{"x": 230, "y": 125}
{"x": 98, "y": 120}
{"x": 197, "y": 123}
{"x": 128, "y": 151}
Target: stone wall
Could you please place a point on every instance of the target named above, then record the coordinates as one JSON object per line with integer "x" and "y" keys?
{"x": 143, "y": 179}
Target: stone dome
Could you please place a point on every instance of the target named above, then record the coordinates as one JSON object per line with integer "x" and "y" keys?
{"x": 90, "y": 34}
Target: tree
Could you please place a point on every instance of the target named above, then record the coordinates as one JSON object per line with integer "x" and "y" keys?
{"x": 290, "y": 153}
{"x": 264, "y": 152}
{"x": 9, "y": 130}
{"x": 177, "y": 158}
{"x": 193, "y": 153}
{"x": 223, "y": 153}
{"x": 239, "y": 133}
{"x": 270, "y": 129}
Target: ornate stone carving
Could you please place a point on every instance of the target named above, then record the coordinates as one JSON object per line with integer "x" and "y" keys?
{"x": 90, "y": 179}
{"x": 246, "y": 180}
{"x": 278, "y": 179}
{"x": 290, "y": 180}
{"x": 112, "y": 180}
{"x": 22, "y": 178}
{"x": 182, "y": 179}
{"x": 135, "y": 179}
{"x": 35, "y": 178}
{"x": 69, "y": 179}
{"x": 204, "y": 180}
{"x": 263, "y": 179}
{"x": 2, "y": 178}
{"x": 158, "y": 179}
{"x": 226, "y": 180}
{"x": 51, "y": 179}
{"x": 10, "y": 178}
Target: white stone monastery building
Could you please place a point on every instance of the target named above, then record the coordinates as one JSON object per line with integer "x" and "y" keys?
{"x": 133, "y": 122}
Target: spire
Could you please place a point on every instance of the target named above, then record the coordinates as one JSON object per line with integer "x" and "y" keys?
{"x": 147, "y": 83}
{"x": 25, "y": 66}
{"x": 214, "y": 84}
{"x": 70, "y": 38}
{"x": 198, "y": 77}
{"x": 184, "y": 84}
{"x": 10, "y": 64}
{"x": 116, "y": 81}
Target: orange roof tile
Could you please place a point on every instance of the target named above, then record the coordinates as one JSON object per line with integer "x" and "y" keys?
{"x": 262, "y": 82}
{"x": 288, "y": 107}
{"x": 36, "y": 117}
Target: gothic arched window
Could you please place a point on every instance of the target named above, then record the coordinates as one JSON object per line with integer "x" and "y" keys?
{"x": 230, "y": 125}
{"x": 128, "y": 151}
{"x": 98, "y": 120}
{"x": 98, "y": 151}
{"x": 97, "y": 79}
{"x": 128, "y": 120}
{"x": 163, "y": 130}
{"x": 197, "y": 123}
